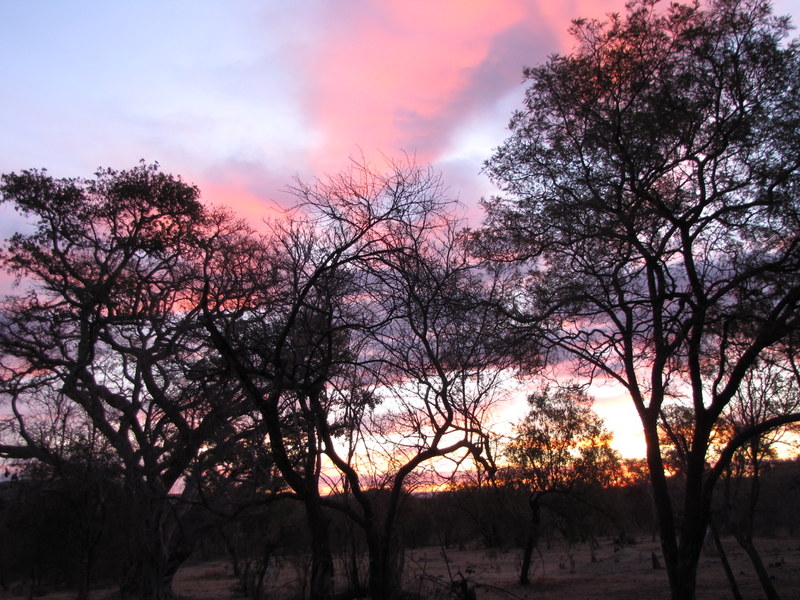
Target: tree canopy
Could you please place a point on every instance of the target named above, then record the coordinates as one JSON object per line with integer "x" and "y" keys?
{"x": 106, "y": 335}
{"x": 651, "y": 187}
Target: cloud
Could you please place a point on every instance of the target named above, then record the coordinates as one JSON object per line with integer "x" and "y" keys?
{"x": 384, "y": 76}
{"x": 250, "y": 94}
{"x": 437, "y": 80}
{"x": 252, "y": 189}
{"x": 405, "y": 74}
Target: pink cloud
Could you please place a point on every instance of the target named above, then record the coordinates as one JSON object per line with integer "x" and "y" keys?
{"x": 402, "y": 74}
{"x": 236, "y": 194}
{"x": 384, "y": 74}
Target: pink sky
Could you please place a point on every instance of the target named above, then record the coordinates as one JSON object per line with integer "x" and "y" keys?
{"x": 241, "y": 96}
{"x": 244, "y": 95}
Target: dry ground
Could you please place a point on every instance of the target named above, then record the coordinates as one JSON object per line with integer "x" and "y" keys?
{"x": 561, "y": 573}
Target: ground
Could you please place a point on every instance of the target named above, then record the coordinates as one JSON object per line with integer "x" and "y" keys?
{"x": 561, "y": 573}
{"x": 627, "y": 573}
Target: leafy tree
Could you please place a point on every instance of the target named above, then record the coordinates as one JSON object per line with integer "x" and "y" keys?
{"x": 561, "y": 446}
{"x": 106, "y": 324}
{"x": 651, "y": 191}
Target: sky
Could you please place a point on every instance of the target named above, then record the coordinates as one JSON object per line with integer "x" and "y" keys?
{"x": 241, "y": 96}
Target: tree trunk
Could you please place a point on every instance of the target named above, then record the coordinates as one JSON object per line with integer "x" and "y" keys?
{"x": 148, "y": 579}
{"x": 725, "y": 565}
{"x": 386, "y": 560}
{"x": 151, "y": 573}
{"x": 161, "y": 544}
{"x": 84, "y": 578}
{"x": 681, "y": 559}
{"x": 755, "y": 558}
{"x": 321, "y": 584}
{"x": 744, "y": 535}
{"x": 89, "y": 546}
{"x": 695, "y": 520}
{"x": 532, "y": 540}
{"x": 355, "y": 585}
{"x": 680, "y": 588}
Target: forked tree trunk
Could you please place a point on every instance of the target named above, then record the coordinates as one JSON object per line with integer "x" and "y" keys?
{"x": 160, "y": 545}
{"x": 149, "y": 578}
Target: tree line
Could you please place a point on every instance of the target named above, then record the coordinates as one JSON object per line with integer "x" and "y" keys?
{"x": 646, "y": 233}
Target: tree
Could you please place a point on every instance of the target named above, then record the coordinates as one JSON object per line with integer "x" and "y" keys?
{"x": 767, "y": 391}
{"x": 561, "y": 446}
{"x": 58, "y": 526}
{"x": 270, "y": 307}
{"x": 358, "y": 334}
{"x": 432, "y": 357}
{"x": 651, "y": 189}
{"x": 106, "y": 324}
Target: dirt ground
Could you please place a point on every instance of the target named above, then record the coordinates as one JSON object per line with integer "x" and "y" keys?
{"x": 560, "y": 573}
{"x": 626, "y": 573}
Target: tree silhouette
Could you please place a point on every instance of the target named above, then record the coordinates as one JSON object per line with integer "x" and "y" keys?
{"x": 767, "y": 391}
{"x": 107, "y": 324}
{"x": 561, "y": 446}
{"x": 651, "y": 184}
{"x": 359, "y": 321}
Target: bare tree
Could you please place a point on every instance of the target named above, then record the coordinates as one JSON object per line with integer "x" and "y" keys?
{"x": 79, "y": 482}
{"x": 769, "y": 390}
{"x": 652, "y": 193}
{"x": 280, "y": 338}
{"x": 362, "y": 325}
{"x": 439, "y": 376}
